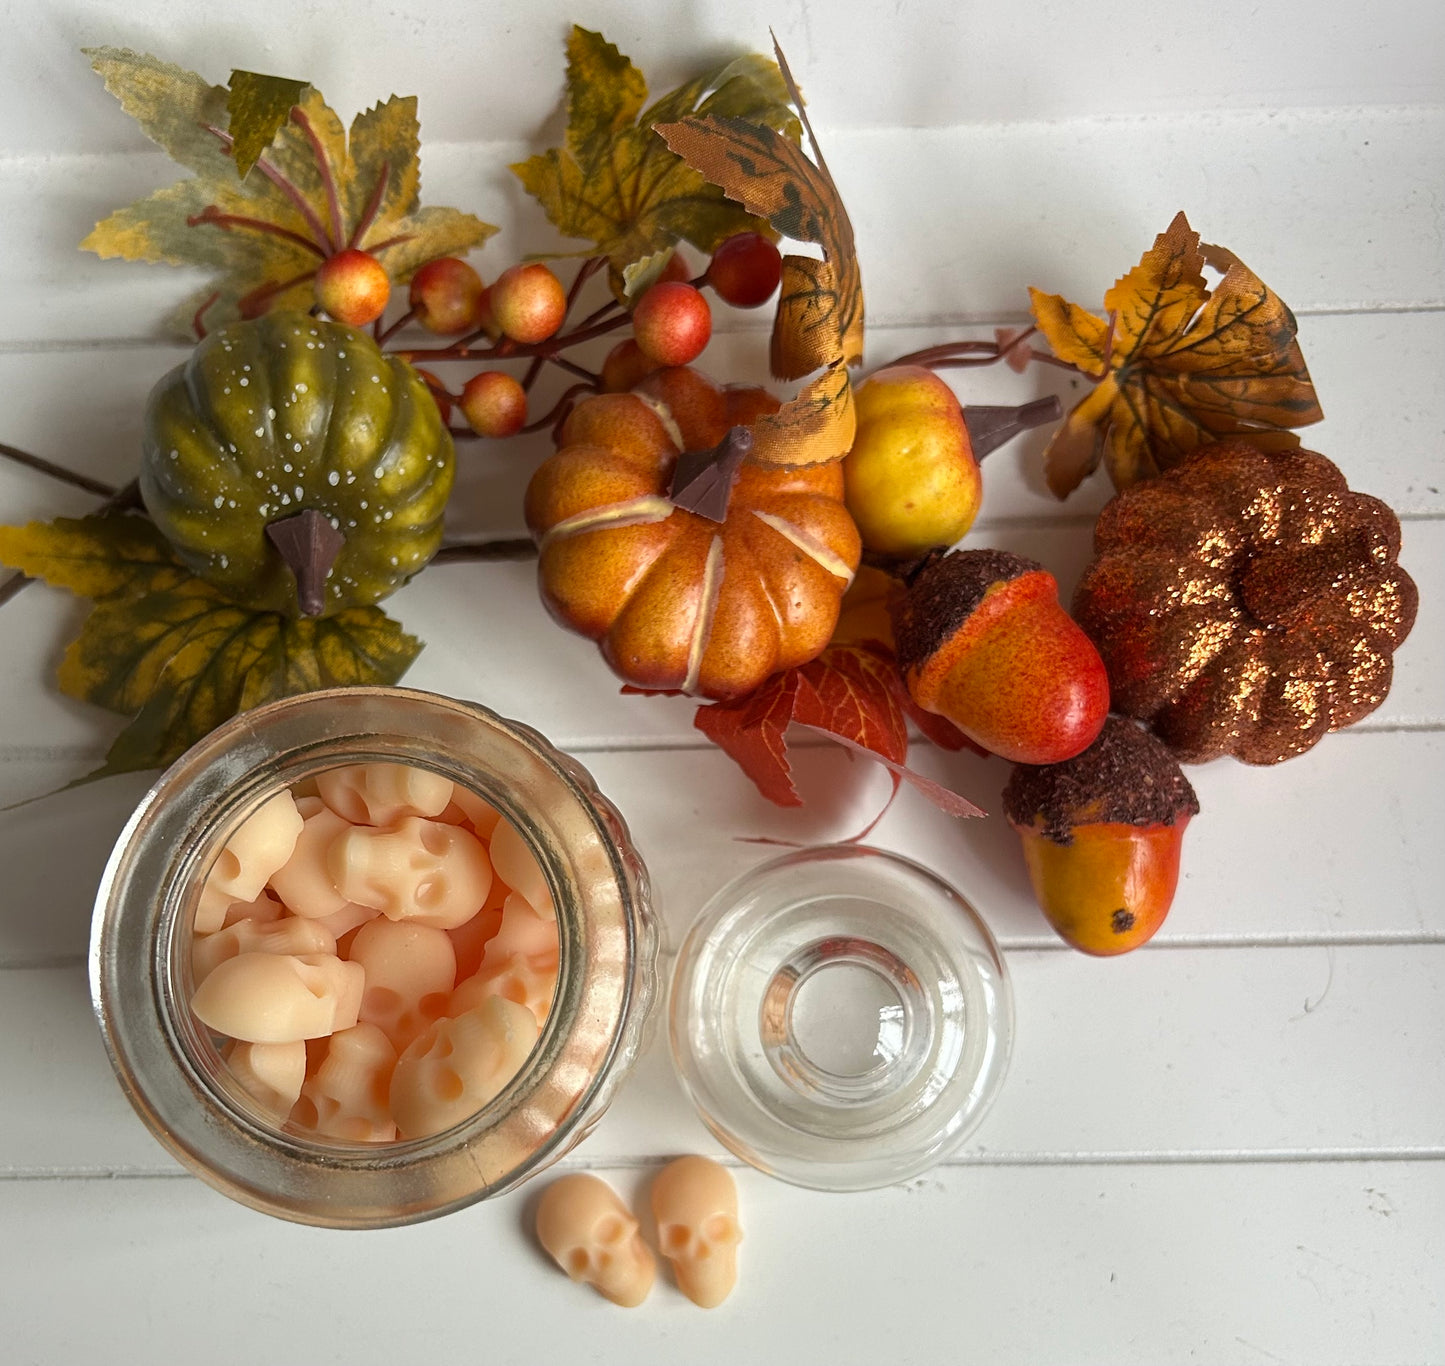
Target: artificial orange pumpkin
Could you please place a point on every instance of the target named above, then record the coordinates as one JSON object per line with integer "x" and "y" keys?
{"x": 1246, "y": 602}
{"x": 676, "y": 600}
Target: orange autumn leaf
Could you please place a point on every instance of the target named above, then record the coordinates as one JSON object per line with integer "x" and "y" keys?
{"x": 819, "y": 321}
{"x": 852, "y": 694}
{"x": 1177, "y": 365}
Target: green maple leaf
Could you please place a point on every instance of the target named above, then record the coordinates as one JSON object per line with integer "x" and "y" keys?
{"x": 614, "y": 181}
{"x": 277, "y": 185}
{"x": 166, "y": 649}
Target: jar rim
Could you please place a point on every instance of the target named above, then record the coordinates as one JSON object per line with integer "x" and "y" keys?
{"x": 608, "y": 945}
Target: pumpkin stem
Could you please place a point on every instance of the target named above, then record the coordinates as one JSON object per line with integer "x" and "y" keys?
{"x": 989, "y": 427}
{"x": 702, "y": 481}
{"x": 309, "y": 544}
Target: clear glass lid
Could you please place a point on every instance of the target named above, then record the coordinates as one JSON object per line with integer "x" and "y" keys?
{"x": 841, "y": 1017}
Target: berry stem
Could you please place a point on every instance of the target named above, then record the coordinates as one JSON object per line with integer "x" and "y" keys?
{"x": 582, "y": 373}
{"x": 401, "y": 322}
{"x": 65, "y": 476}
{"x": 328, "y": 181}
{"x": 533, "y": 370}
{"x": 548, "y": 349}
{"x": 252, "y": 305}
{"x": 286, "y": 186}
{"x": 559, "y": 409}
{"x": 373, "y": 206}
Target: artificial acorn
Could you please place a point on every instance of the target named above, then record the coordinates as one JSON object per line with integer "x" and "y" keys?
{"x": 983, "y": 641}
{"x": 295, "y": 466}
{"x": 1102, "y": 834}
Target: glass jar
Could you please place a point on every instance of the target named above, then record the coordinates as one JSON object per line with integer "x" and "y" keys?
{"x": 169, "y": 1064}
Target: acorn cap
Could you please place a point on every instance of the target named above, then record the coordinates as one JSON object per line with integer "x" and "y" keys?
{"x": 1127, "y": 776}
{"x": 943, "y": 595}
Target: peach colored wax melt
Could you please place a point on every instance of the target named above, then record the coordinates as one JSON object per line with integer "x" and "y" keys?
{"x": 379, "y": 950}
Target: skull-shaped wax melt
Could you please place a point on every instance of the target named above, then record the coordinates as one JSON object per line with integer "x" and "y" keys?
{"x": 470, "y": 809}
{"x": 519, "y": 962}
{"x": 695, "y": 1203}
{"x": 279, "y": 997}
{"x": 455, "y": 1066}
{"x": 410, "y": 971}
{"x": 347, "y": 1095}
{"x": 263, "y": 910}
{"x": 345, "y": 920}
{"x": 382, "y": 794}
{"x": 516, "y": 865}
{"x": 261, "y": 845}
{"x": 304, "y": 884}
{"x": 419, "y": 870}
{"x": 270, "y": 1073}
{"x": 288, "y": 935}
{"x": 593, "y": 1237}
{"x": 470, "y": 939}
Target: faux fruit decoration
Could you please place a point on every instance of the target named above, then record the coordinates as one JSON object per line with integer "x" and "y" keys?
{"x": 295, "y": 466}
{"x": 983, "y": 641}
{"x": 1102, "y": 834}
{"x": 911, "y": 478}
{"x": 709, "y": 598}
{"x": 1246, "y": 602}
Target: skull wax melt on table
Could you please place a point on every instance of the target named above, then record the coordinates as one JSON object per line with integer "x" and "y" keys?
{"x": 365, "y": 956}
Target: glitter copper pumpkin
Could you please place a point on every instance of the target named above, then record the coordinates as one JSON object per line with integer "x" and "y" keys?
{"x": 1246, "y": 602}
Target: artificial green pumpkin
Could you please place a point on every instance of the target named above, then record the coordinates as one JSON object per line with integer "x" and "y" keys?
{"x": 287, "y": 431}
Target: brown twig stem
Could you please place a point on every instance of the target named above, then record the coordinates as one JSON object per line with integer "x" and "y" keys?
{"x": 506, "y": 548}
{"x": 65, "y": 476}
{"x": 581, "y": 371}
{"x": 559, "y": 409}
{"x": 396, "y": 326}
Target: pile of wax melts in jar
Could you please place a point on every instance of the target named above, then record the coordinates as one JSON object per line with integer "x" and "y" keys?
{"x": 379, "y": 949}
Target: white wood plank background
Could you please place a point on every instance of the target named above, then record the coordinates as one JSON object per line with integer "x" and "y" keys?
{"x": 1228, "y": 1147}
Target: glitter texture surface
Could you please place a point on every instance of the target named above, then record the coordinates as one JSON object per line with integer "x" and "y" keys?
{"x": 1246, "y": 602}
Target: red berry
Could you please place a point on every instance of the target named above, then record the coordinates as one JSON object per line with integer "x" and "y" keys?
{"x": 528, "y": 302}
{"x": 672, "y": 323}
{"x": 624, "y": 367}
{"x": 353, "y": 287}
{"x": 494, "y": 404}
{"x": 446, "y": 296}
{"x": 745, "y": 270}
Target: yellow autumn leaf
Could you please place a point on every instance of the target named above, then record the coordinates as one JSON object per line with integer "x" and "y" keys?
{"x": 615, "y": 183}
{"x": 310, "y": 191}
{"x": 1179, "y": 366}
{"x": 819, "y": 319}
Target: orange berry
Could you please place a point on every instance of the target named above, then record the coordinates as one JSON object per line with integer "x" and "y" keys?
{"x": 446, "y": 296}
{"x": 353, "y": 287}
{"x": 528, "y": 302}
{"x": 494, "y": 404}
{"x": 672, "y": 323}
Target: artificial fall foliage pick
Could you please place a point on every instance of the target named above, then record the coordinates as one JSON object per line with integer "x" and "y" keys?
{"x": 616, "y": 183}
{"x": 311, "y": 191}
{"x": 1176, "y": 365}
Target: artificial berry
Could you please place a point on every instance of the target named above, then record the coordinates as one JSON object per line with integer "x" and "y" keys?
{"x": 494, "y": 404}
{"x": 353, "y": 287}
{"x": 745, "y": 270}
{"x": 625, "y": 367}
{"x": 446, "y": 296}
{"x": 528, "y": 303}
{"x": 672, "y": 323}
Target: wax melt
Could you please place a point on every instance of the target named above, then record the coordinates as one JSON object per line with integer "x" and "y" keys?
{"x": 325, "y": 951}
